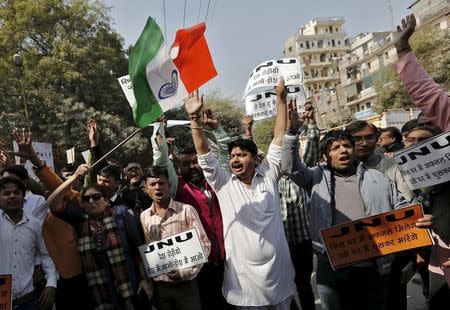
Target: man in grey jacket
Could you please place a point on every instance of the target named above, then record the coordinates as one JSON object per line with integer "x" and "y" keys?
{"x": 342, "y": 189}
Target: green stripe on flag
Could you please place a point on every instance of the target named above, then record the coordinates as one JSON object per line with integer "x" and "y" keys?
{"x": 146, "y": 109}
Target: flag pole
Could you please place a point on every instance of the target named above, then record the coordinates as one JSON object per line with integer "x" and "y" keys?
{"x": 116, "y": 147}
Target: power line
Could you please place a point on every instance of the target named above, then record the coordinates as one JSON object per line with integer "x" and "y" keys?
{"x": 199, "y": 9}
{"x": 184, "y": 15}
{"x": 165, "y": 27}
{"x": 207, "y": 11}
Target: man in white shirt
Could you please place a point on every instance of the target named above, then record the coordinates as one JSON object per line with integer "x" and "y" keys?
{"x": 258, "y": 268}
{"x": 20, "y": 242}
{"x": 34, "y": 205}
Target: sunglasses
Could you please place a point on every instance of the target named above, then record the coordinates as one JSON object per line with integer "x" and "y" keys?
{"x": 95, "y": 197}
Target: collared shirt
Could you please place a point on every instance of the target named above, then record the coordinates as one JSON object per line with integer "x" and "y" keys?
{"x": 258, "y": 267}
{"x": 36, "y": 206}
{"x": 179, "y": 217}
{"x": 294, "y": 211}
{"x": 19, "y": 244}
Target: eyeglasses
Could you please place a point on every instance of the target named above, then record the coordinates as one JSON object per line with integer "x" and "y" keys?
{"x": 369, "y": 138}
{"x": 95, "y": 197}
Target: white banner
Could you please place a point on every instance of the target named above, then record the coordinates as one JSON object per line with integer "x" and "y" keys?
{"x": 178, "y": 251}
{"x": 264, "y": 105}
{"x": 427, "y": 163}
{"x": 127, "y": 88}
{"x": 267, "y": 75}
{"x": 43, "y": 150}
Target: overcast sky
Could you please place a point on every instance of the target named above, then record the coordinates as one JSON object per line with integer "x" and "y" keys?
{"x": 241, "y": 34}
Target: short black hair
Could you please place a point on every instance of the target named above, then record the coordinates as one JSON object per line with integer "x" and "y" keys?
{"x": 394, "y": 133}
{"x": 435, "y": 130}
{"x": 245, "y": 145}
{"x": 360, "y": 125}
{"x": 111, "y": 171}
{"x": 96, "y": 186}
{"x": 13, "y": 180}
{"x": 17, "y": 170}
{"x": 156, "y": 171}
{"x": 68, "y": 168}
{"x": 410, "y": 125}
{"x": 332, "y": 136}
{"x": 188, "y": 151}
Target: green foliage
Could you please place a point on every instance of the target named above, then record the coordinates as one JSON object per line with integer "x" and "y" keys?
{"x": 263, "y": 133}
{"x": 226, "y": 110}
{"x": 71, "y": 61}
{"x": 432, "y": 49}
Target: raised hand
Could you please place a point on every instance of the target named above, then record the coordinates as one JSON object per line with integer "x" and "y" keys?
{"x": 4, "y": 160}
{"x": 26, "y": 150}
{"x": 209, "y": 119}
{"x": 81, "y": 171}
{"x": 194, "y": 105}
{"x": 280, "y": 90}
{"x": 404, "y": 32}
{"x": 248, "y": 121}
{"x": 293, "y": 122}
{"x": 93, "y": 131}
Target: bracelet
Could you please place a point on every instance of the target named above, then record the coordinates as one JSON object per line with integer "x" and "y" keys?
{"x": 192, "y": 127}
{"x": 39, "y": 168}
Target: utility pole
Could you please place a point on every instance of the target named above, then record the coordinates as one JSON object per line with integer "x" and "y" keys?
{"x": 18, "y": 63}
{"x": 391, "y": 15}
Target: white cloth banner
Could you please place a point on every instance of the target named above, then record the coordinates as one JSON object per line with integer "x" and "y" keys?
{"x": 264, "y": 105}
{"x": 177, "y": 251}
{"x": 427, "y": 163}
{"x": 43, "y": 150}
{"x": 260, "y": 96}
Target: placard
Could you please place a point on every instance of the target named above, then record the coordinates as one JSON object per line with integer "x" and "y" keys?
{"x": 127, "y": 88}
{"x": 264, "y": 105}
{"x": 43, "y": 150}
{"x": 177, "y": 251}
{"x": 426, "y": 164}
{"x": 375, "y": 236}
{"x": 5, "y": 292}
{"x": 267, "y": 75}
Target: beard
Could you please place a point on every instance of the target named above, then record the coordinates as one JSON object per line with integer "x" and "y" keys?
{"x": 194, "y": 176}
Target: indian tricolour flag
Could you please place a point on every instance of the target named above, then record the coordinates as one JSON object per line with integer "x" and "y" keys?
{"x": 160, "y": 78}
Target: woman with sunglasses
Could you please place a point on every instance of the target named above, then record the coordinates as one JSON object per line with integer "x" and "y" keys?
{"x": 108, "y": 240}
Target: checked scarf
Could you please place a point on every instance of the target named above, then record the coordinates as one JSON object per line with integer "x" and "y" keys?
{"x": 91, "y": 258}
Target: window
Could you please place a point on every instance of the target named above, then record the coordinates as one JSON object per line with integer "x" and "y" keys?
{"x": 312, "y": 44}
{"x": 339, "y": 42}
{"x": 290, "y": 49}
{"x": 368, "y": 105}
{"x": 301, "y": 45}
{"x": 368, "y": 65}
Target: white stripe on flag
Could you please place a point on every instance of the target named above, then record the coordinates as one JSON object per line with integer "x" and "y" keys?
{"x": 164, "y": 80}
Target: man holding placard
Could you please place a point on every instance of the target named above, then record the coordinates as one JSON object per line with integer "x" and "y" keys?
{"x": 176, "y": 289}
{"x": 342, "y": 190}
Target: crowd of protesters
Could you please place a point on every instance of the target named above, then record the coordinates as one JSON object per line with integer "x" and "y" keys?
{"x": 71, "y": 240}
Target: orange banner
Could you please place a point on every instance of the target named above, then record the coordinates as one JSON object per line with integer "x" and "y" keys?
{"x": 374, "y": 236}
{"x": 5, "y": 292}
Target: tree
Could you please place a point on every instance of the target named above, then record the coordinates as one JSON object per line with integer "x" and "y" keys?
{"x": 432, "y": 49}
{"x": 71, "y": 61}
{"x": 227, "y": 111}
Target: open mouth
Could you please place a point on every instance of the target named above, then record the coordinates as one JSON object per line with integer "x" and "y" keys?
{"x": 159, "y": 195}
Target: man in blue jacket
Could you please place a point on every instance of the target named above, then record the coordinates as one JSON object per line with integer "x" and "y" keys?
{"x": 342, "y": 189}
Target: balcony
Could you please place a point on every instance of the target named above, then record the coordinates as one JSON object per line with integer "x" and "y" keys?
{"x": 319, "y": 78}
{"x": 302, "y": 51}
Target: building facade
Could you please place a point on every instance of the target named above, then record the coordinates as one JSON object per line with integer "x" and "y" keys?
{"x": 319, "y": 45}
